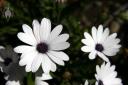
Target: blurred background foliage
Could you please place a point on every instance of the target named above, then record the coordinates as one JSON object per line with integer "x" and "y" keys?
{"x": 76, "y": 16}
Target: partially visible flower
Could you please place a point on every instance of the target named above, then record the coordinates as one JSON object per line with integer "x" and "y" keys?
{"x": 8, "y": 57}
{"x": 106, "y": 75}
{"x": 41, "y": 80}
{"x": 12, "y": 83}
{"x": 101, "y": 43}
{"x": 86, "y": 82}
{"x": 10, "y": 65}
{"x": 45, "y": 46}
{"x": 8, "y": 13}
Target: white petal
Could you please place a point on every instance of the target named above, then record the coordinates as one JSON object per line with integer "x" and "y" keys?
{"x": 99, "y": 33}
{"x": 86, "y": 48}
{"x": 110, "y": 52}
{"x": 36, "y": 62}
{"x": 38, "y": 81}
{"x": 29, "y": 61}
{"x": 46, "y": 76}
{"x": 96, "y": 83}
{"x": 60, "y": 46}
{"x": 88, "y": 36}
{"x": 113, "y": 81}
{"x": 60, "y": 55}
{"x": 46, "y": 63}
{"x": 97, "y": 70}
{"x": 60, "y": 38}
{"x": 55, "y": 59}
{"x": 36, "y": 29}
{"x": 117, "y": 46}
{"x": 28, "y": 58}
{"x": 92, "y": 55}
{"x": 23, "y": 49}
{"x": 111, "y": 75}
{"x": 88, "y": 42}
{"x": 45, "y": 29}
{"x": 86, "y": 82}
{"x": 6, "y": 77}
{"x": 24, "y": 60}
{"x": 55, "y": 32}
{"x": 94, "y": 34}
{"x": 113, "y": 43}
{"x": 41, "y": 83}
{"x": 105, "y": 35}
{"x": 111, "y": 37}
{"x": 53, "y": 67}
{"x": 101, "y": 55}
{"x": 26, "y": 38}
{"x": 27, "y": 29}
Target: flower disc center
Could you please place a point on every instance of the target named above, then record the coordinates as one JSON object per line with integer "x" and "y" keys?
{"x": 99, "y": 47}
{"x": 7, "y": 61}
{"x": 42, "y": 47}
{"x": 100, "y": 82}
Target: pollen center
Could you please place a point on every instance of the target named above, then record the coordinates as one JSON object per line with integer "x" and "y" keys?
{"x": 42, "y": 47}
{"x": 100, "y": 82}
{"x": 99, "y": 47}
{"x": 7, "y": 61}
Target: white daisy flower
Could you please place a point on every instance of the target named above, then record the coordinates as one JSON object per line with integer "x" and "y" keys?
{"x": 101, "y": 43}
{"x": 106, "y": 75}
{"x": 86, "y": 82}
{"x": 44, "y": 46}
{"x": 12, "y": 83}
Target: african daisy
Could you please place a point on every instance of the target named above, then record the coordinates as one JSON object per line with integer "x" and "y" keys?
{"x": 106, "y": 75}
{"x": 101, "y": 43}
{"x": 44, "y": 46}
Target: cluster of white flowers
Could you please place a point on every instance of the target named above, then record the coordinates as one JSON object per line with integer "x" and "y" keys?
{"x": 102, "y": 44}
{"x": 44, "y": 49}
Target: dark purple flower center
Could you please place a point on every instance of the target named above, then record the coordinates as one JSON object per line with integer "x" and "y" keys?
{"x": 7, "y": 61}
{"x": 99, "y": 47}
{"x": 42, "y": 47}
{"x": 100, "y": 82}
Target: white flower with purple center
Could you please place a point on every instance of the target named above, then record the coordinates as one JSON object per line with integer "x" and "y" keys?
{"x": 106, "y": 75}
{"x": 44, "y": 46}
{"x": 101, "y": 43}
